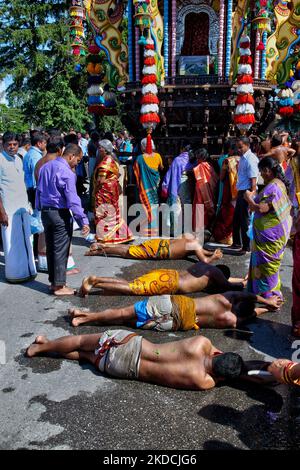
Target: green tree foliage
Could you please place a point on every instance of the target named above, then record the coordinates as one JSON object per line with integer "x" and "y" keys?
{"x": 12, "y": 119}
{"x": 35, "y": 52}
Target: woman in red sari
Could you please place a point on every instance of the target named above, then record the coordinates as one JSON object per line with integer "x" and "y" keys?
{"x": 205, "y": 191}
{"x": 110, "y": 227}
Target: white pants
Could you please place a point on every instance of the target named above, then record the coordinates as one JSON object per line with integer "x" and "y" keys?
{"x": 18, "y": 251}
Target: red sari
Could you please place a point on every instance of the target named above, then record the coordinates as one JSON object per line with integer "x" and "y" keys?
{"x": 110, "y": 227}
{"x": 205, "y": 194}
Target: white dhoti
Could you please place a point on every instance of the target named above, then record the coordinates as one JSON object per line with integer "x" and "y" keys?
{"x": 18, "y": 251}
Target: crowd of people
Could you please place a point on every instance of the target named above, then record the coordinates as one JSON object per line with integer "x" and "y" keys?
{"x": 245, "y": 200}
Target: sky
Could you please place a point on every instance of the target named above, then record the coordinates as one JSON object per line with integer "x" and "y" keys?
{"x": 3, "y": 85}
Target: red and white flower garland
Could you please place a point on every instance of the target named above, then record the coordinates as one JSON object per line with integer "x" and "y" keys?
{"x": 244, "y": 113}
{"x": 149, "y": 110}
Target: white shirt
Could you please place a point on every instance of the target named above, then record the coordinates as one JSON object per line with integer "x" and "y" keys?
{"x": 12, "y": 186}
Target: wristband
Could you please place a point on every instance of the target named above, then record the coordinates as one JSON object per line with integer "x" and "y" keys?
{"x": 287, "y": 374}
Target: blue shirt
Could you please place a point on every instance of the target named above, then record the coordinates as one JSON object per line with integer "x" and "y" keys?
{"x": 83, "y": 144}
{"x": 248, "y": 168}
{"x": 29, "y": 161}
{"x": 125, "y": 146}
{"x": 57, "y": 188}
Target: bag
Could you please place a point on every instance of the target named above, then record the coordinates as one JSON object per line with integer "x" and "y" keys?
{"x": 36, "y": 225}
{"x": 250, "y": 229}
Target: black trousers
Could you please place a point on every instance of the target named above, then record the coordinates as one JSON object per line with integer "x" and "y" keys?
{"x": 58, "y": 226}
{"x": 241, "y": 221}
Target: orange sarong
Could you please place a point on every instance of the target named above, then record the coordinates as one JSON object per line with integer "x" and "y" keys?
{"x": 158, "y": 282}
{"x": 151, "y": 249}
{"x": 184, "y": 313}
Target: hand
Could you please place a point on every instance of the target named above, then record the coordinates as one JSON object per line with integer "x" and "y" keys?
{"x": 277, "y": 367}
{"x": 3, "y": 218}
{"x": 85, "y": 230}
{"x": 275, "y": 302}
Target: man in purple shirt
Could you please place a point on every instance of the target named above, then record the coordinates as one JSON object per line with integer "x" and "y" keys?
{"x": 56, "y": 195}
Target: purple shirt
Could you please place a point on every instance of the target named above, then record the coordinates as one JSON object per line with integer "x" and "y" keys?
{"x": 57, "y": 188}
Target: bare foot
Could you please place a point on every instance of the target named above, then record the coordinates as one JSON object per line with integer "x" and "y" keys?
{"x": 34, "y": 348}
{"x": 78, "y": 316}
{"x": 73, "y": 271}
{"x": 41, "y": 339}
{"x": 64, "y": 290}
{"x": 218, "y": 254}
{"x": 86, "y": 285}
{"x": 261, "y": 310}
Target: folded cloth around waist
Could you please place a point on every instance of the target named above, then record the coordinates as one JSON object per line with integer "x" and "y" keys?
{"x": 166, "y": 313}
{"x": 119, "y": 353}
{"x": 151, "y": 249}
{"x": 158, "y": 282}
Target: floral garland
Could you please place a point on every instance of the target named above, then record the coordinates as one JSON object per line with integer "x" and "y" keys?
{"x": 149, "y": 117}
{"x": 244, "y": 112}
{"x": 149, "y": 110}
{"x": 77, "y": 17}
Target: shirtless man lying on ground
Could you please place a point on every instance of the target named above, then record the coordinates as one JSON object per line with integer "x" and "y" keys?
{"x": 191, "y": 363}
{"x": 198, "y": 277}
{"x": 178, "y": 312}
{"x": 158, "y": 249}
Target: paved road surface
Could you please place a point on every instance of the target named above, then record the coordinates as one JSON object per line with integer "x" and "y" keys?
{"x": 56, "y": 404}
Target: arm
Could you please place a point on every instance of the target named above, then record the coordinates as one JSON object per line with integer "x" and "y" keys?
{"x": 274, "y": 302}
{"x": 290, "y": 153}
{"x": 3, "y": 215}
{"x": 261, "y": 208}
{"x": 73, "y": 200}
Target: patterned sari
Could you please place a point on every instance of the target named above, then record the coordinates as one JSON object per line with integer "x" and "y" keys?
{"x": 205, "y": 190}
{"x": 148, "y": 179}
{"x": 110, "y": 227}
{"x": 293, "y": 176}
{"x": 270, "y": 235}
{"x": 222, "y": 231}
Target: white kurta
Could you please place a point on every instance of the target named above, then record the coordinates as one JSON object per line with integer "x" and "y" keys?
{"x": 17, "y": 242}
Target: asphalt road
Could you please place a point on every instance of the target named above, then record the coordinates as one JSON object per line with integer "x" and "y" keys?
{"x": 57, "y": 404}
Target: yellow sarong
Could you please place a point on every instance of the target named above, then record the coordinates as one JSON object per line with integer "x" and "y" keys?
{"x": 158, "y": 282}
{"x": 184, "y": 313}
{"x": 151, "y": 249}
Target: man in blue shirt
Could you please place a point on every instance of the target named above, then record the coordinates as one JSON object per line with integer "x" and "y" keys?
{"x": 34, "y": 154}
{"x": 247, "y": 180}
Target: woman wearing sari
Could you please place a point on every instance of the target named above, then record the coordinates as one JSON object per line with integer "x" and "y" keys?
{"x": 110, "y": 227}
{"x": 146, "y": 169}
{"x": 176, "y": 187}
{"x": 271, "y": 229}
{"x": 222, "y": 230}
{"x": 205, "y": 191}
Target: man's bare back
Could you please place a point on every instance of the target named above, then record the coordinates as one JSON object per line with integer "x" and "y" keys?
{"x": 179, "y": 364}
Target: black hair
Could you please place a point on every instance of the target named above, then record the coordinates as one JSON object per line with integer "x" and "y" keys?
{"x": 72, "y": 149}
{"x": 9, "y": 136}
{"x": 25, "y": 141}
{"x": 244, "y": 310}
{"x": 109, "y": 136}
{"x": 245, "y": 140}
{"x": 202, "y": 153}
{"x": 38, "y": 137}
{"x": 55, "y": 144}
{"x": 95, "y": 136}
{"x": 276, "y": 140}
{"x": 71, "y": 139}
{"x": 275, "y": 167}
{"x": 227, "y": 365}
{"x": 185, "y": 145}
{"x": 225, "y": 270}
